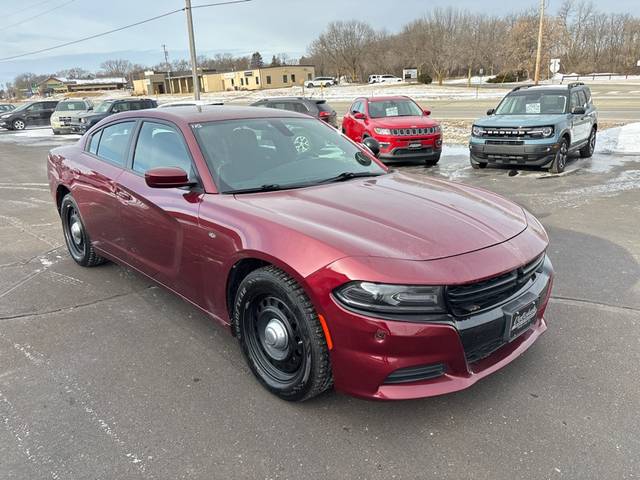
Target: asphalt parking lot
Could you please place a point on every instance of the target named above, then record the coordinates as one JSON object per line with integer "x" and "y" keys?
{"x": 104, "y": 375}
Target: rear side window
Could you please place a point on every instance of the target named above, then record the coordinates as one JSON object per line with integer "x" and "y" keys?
{"x": 297, "y": 107}
{"x": 95, "y": 140}
{"x": 114, "y": 142}
{"x": 161, "y": 145}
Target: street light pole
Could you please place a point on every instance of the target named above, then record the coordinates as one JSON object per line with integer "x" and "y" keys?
{"x": 192, "y": 50}
{"x": 536, "y": 77}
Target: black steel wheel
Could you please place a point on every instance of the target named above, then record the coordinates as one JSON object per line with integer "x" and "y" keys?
{"x": 281, "y": 336}
{"x": 75, "y": 234}
{"x": 560, "y": 161}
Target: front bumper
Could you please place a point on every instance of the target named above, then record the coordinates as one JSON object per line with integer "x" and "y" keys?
{"x": 513, "y": 153}
{"x": 403, "y": 149}
{"x": 455, "y": 351}
{"x": 79, "y": 127}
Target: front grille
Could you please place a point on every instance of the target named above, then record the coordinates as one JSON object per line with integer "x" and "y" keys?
{"x": 506, "y": 132}
{"x": 65, "y": 120}
{"x": 412, "y": 132}
{"x": 412, "y": 151}
{"x": 472, "y": 298}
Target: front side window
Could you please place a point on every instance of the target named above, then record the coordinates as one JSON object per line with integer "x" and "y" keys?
{"x": 160, "y": 145}
{"x": 103, "y": 107}
{"x": 114, "y": 142}
{"x": 394, "y": 108}
{"x": 255, "y": 154}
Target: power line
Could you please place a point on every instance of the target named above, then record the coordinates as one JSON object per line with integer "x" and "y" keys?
{"x": 97, "y": 35}
{"x": 27, "y": 8}
{"x": 38, "y": 15}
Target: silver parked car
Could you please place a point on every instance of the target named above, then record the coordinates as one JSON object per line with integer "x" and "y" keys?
{"x": 67, "y": 112}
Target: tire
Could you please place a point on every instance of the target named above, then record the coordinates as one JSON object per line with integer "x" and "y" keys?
{"x": 589, "y": 148}
{"x": 309, "y": 85}
{"x": 56, "y": 132}
{"x": 75, "y": 235}
{"x": 477, "y": 165}
{"x": 430, "y": 162}
{"x": 19, "y": 124}
{"x": 271, "y": 307}
{"x": 560, "y": 161}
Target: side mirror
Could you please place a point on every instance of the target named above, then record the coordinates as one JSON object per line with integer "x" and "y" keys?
{"x": 359, "y": 116}
{"x": 491, "y": 111}
{"x": 372, "y": 144}
{"x": 578, "y": 111}
{"x": 167, "y": 177}
{"x": 426, "y": 112}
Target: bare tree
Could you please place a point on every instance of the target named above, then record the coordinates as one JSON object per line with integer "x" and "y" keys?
{"x": 115, "y": 68}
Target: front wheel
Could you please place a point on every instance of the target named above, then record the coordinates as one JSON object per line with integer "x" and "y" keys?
{"x": 19, "y": 124}
{"x": 75, "y": 234}
{"x": 560, "y": 161}
{"x": 476, "y": 165}
{"x": 281, "y": 336}
{"x": 590, "y": 147}
{"x": 430, "y": 162}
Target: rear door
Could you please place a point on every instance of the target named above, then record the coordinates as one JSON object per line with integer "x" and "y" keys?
{"x": 580, "y": 123}
{"x": 102, "y": 162}
{"x": 159, "y": 224}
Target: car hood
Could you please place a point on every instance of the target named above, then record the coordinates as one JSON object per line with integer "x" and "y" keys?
{"x": 419, "y": 121}
{"x": 394, "y": 216}
{"x": 517, "y": 121}
{"x": 70, "y": 114}
{"x": 93, "y": 115}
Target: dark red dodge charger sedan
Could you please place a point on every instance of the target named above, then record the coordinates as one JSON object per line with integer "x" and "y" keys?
{"x": 328, "y": 268}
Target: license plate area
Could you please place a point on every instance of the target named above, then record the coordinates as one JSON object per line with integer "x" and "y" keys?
{"x": 519, "y": 316}
{"x": 415, "y": 145}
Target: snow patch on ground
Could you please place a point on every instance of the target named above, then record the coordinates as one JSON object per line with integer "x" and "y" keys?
{"x": 624, "y": 140}
{"x": 40, "y": 136}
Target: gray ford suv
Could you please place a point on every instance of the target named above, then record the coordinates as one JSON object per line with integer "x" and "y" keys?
{"x": 537, "y": 126}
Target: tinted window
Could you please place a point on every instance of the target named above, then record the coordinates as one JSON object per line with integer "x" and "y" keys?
{"x": 51, "y": 104}
{"x": 35, "y": 107}
{"x": 250, "y": 153}
{"x": 95, "y": 139}
{"x": 114, "y": 142}
{"x": 297, "y": 107}
{"x": 160, "y": 145}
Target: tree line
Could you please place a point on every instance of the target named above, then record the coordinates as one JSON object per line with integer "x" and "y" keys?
{"x": 452, "y": 42}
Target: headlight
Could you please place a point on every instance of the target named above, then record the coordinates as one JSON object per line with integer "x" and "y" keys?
{"x": 547, "y": 131}
{"x": 436, "y": 129}
{"x": 6, "y": 115}
{"x": 477, "y": 131}
{"x": 382, "y": 131}
{"x": 376, "y": 297}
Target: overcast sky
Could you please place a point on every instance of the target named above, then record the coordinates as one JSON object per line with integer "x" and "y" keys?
{"x": 270, "y": 26}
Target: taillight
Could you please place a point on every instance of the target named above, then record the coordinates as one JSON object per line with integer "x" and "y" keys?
{"x": 325, "y": 114}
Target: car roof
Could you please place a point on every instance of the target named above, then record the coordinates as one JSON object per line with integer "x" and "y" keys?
{"x": 382, "y": 98}
{"x": 210, "y": 113}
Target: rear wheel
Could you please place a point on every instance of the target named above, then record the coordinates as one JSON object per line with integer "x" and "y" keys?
{"x": 560, "y": 161}
{"x": 19, "y": 124}
{"x": 281, "y": 336}
{"x": 75, "y": 234}
{"x": 590, "y": 147}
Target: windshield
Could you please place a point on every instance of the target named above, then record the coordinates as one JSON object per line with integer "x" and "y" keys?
{"x": 24, "y": 106}
{"x": 274, "y": 153}
{"x": 533, "y": 103}
{"x": 394, "y": 108}
{"x": 103, "y": 107}
{"x": 70, "y": 106}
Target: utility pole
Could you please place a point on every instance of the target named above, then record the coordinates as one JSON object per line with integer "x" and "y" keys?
{"x": 166, "y": 61}
{"x": 192, "y": 50}
{"x": 536, "y": 77}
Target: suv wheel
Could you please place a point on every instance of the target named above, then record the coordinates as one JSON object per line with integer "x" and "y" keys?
{"x": 589, "y": 148}
{"x": 431, "y": 161}
{"x": 560, "y": 161}
{"x": 476, "y": 166}
{"x": 19, "y": 124}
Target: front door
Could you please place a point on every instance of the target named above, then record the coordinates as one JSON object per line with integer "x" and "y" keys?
{"x": 159, "y": 224}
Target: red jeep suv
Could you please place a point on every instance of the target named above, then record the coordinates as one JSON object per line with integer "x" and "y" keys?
{"x": 403, "y": 130}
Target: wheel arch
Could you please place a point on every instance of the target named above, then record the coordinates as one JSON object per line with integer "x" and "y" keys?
{"x": 61, "y": 191}
{"x": 248, "y": 262}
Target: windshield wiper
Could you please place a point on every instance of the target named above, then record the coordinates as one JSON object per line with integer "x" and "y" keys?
{"x": 348, "y": 176}
{"x": 269, "y": 187}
